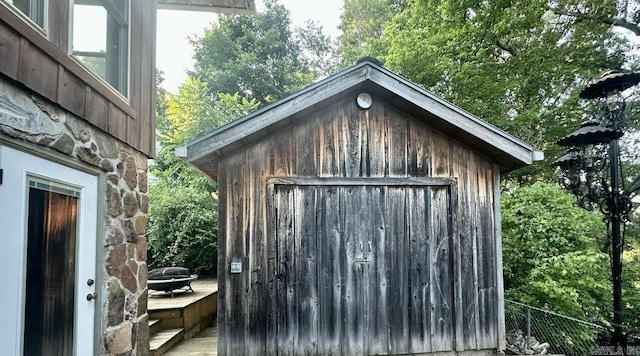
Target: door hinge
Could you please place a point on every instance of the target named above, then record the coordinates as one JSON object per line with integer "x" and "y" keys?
{"x": 1, "y": 174}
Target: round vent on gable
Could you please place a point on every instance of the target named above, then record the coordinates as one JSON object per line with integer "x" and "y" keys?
{"x": 364, "y": 100}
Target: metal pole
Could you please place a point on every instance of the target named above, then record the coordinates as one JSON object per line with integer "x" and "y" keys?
{"x": 616, "y": 249}
{"x": 528, "y": 327}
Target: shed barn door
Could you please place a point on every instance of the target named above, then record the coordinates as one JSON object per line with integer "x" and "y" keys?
{"x": 361, "y": 268}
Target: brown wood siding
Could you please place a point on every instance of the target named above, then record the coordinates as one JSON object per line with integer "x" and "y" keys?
{"x": 58, "y": 29}
{"x": 342, "y": 141}
{"x": 71, "y": 92}
{"x": 43, "y": 66}
{"x": 255, "y": 226}
{"x": 146, "y": 120}
{"x": 96, "y": 109}
{"x": 135, "y": 84}
{"x": 223, "y": 268}
{"x": 118, "y": 123}
{"x": 9, "y": 48}
{"x": 36, "y": 70}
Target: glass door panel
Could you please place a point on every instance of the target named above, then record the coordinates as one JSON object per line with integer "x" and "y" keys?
{"x": 51, "y": 264}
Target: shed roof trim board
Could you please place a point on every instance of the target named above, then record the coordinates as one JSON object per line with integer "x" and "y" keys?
{"x": 498, "y": 142}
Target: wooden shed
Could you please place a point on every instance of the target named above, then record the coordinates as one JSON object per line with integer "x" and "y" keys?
{"x": 359, "y": 216}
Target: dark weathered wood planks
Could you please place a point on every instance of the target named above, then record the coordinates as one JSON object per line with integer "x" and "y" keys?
{"x": 71, "y": 92}
{"x": 379, "y": 161}
{"x": 388, "y": 89}
{"x": 10, "y": 48}
{"x": 357, "y": 253}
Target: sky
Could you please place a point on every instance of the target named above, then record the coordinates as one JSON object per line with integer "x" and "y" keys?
{"x": 174, "y": 53}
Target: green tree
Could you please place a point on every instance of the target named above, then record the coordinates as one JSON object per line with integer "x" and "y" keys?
{"x": 241, "y": 63}
{"x": 261, "y": 56}
{"x": 515, "y": 63}
{"x": 552, "y": 252}
{"x": 631, "y": 290}
{"x": 555, "y": 257}
{"x": 363, "y": 27}
{"x": 182, "y": 229}
{"x": 187, "y": 115}
{"x": 622, "y": 14}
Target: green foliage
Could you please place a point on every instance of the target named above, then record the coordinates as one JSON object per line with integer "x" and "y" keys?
{"x": 182, "y": 228}
{"x": 185, "y": 116}
{"x": 631, "y": 290}
{"x": 192, "y": 112}
{"x": 362, "y": 25}
{"x": 576, "y": 283}
{"x": 514, "y": 63}
{"x": 241, "y": 63}
{"x": 319, "y": 53}
{"x": 183, "y": 219}
{"x": 542, "y": 221}
{"x": 552, "y": 256}
{"x": 260, "y": 56}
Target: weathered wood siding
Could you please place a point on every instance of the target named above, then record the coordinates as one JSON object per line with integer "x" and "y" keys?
{"x": 431, "y": 283}
{"x": 42, "y": 65}
{"x": 362, "y": 267}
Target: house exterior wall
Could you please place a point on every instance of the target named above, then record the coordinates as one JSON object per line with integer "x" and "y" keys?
{"x": 43, "y": 65}
{"x": 341, "y": 141}
{"x": 29, "y": 121}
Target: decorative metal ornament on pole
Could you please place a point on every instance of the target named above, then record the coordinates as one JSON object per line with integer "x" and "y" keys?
{"x": 592, "y": 171}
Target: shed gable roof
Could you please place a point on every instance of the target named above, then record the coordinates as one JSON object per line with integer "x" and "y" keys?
{"x": 509, "y": 152}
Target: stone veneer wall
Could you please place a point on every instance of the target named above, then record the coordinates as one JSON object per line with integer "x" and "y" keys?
{"x": 123, "y": 315}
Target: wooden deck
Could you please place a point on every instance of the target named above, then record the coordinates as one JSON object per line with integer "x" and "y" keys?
{"x": 181, "y": 299}
{"x": 203, "y": 344}
{"x": 185, "y": 323}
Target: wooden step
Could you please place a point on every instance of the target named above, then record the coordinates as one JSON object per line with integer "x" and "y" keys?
{"x": 164, "y": 340}
{"x": 154, "y": 326}
{"x": 171, "y": 318}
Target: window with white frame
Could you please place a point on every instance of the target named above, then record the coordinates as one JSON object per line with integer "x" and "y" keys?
{"x": 35, "y": 10}
{"x": 100, "y": 39}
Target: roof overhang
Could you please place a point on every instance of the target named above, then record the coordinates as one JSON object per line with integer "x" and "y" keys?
{"x": 509, "y": 152}
{"x": 222, "y": 6}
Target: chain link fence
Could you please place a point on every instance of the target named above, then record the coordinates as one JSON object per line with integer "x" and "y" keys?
{"x": 541, "y": 331}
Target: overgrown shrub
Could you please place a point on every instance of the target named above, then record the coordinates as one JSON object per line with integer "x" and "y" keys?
{"x": 183, "y": 228}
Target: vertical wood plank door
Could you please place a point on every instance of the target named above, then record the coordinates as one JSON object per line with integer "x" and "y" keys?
{"x": 362, "y": 267}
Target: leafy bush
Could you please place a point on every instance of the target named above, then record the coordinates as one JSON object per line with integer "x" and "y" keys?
{"x": 183, "y": 217}
{"x": 183, "y": 228}
{"x": 555, "y": 258}
{"x": 552, "y": 256}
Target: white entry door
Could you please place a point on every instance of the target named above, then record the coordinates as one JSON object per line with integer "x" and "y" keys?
{"x": 48, "y": 256}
